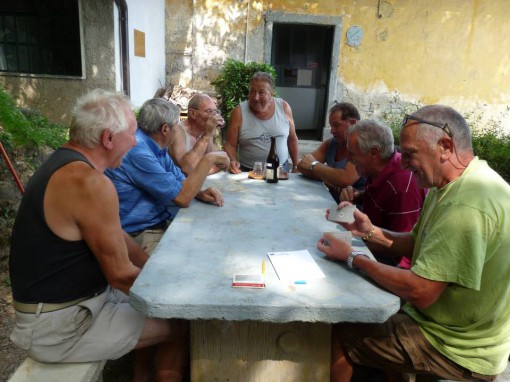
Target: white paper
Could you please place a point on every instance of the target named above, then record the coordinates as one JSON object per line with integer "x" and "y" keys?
{"x": 295, "y": 266}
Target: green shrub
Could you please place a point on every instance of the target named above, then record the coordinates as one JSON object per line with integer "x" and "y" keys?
{"x": 493, "y": 145}
{"x": 233, "y": 83}
{"x": 30, "y": 130}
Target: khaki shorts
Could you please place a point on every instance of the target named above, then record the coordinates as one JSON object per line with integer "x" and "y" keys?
{"x": 149, "y": 239}
{"x": 102, "y": 327}
{"x": 399, "y": 345}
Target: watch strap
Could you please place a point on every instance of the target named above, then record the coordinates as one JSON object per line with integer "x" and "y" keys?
{"x": 351, "y": 257}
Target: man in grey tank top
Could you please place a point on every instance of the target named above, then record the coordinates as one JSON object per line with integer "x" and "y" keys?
{"x": 255, "y": 121}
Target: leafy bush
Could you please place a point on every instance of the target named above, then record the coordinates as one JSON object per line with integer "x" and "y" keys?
{"x": 27, "y": 130}
{"x": 493, "y": 145}
{"x": 233, "y": 83}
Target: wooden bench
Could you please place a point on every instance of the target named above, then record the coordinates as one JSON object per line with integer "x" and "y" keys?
{"x": 33, "y": 371}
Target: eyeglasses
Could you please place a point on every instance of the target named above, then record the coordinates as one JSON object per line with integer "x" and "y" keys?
{"x": 208, "y": 111}
{"x": 444, "y": 127}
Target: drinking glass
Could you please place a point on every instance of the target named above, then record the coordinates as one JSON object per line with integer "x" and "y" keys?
{"x": 257, "y": 168}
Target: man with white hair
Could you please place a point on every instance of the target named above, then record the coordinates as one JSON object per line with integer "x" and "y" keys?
{"x": 72, "y": 265}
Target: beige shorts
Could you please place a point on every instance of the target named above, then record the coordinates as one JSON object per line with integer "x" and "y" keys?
{"x": 149, "y": 239}
{"x": 399, "y": 345}
{"x": 100, "y": 328}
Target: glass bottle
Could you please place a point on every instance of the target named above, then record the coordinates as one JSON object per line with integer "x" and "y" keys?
{"x": 272, "y": 163}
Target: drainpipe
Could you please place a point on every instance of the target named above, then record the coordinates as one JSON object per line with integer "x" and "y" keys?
{"x": 246, "y": 33}
{"x": 124, "y": 43}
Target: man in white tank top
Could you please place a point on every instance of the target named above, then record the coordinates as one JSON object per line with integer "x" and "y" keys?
{"x": 253, "y": 122}
{"x": 194, "y": 138}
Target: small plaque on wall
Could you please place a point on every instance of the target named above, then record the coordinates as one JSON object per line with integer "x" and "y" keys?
{"x": 139, "y": 43}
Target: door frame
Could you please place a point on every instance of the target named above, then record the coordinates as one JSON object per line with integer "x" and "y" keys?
{"x": 291, "y": 18}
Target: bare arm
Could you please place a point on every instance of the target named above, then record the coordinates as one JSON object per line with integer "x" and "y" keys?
{"x": 90, "y": 211}
{"x": 192, "y": 184}
{"x": 232, "y": 138}
{"x": 188, "y": 160}
{"x": 136, "y": 254}
{"x": 318, "y": 154}
{"x": 292, "y": 141}
{"x": 402, "y": 282}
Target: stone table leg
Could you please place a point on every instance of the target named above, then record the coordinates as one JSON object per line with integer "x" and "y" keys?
{"x": 251, "y": 351}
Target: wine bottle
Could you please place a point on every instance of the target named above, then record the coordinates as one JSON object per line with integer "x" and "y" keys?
{"x": 272, "y": 163}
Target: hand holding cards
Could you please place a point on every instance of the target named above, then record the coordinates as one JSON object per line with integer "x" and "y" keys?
{"x": 345, "y": 236}
{"x": 342, "y": 215}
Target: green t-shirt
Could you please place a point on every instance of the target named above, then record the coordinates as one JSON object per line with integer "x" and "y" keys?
{"x": 463, "y": 238}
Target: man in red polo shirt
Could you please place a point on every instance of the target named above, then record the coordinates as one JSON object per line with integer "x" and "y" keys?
{"x": 392, "y": 198}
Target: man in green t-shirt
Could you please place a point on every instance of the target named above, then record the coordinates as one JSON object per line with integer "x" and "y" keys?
{"x": 455, "y": 323}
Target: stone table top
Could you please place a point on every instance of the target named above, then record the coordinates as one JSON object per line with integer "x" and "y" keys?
{"x": 189, "y": 275}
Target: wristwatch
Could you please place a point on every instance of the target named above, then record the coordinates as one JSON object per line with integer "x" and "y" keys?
{"x": 313, "y": 164}
{"x": 351, "y": 257}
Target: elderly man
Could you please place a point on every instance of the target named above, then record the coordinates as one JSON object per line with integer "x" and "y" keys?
{"x": 328, "y": 162}
{"x": 254, "y": 122}
{"x": 456, "y": 320}
{"x": 72, "y": 266}
{"x": 150, "y": 186}
{"x": 391, "y": 199}
{"x": 194, "y": 139}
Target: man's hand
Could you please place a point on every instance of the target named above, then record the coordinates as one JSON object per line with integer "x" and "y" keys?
{"x": 307, "y": 160}
{"x": 361, "y": 226}
{"x": 219, "y": 159}
{"x": 333, "y": 247}
{"x": 211, "y": 195}
{"x": 235, "y": 167}
{"x": 215, "y": 121}
{"x": 348, "y": 194}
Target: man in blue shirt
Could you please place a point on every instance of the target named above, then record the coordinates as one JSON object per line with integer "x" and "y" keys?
{"x": 150, "y": 186}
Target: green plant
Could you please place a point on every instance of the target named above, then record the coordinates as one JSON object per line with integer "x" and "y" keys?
{"x": 233, "y": 83}
{"x": 492, "y": 144}
{"x": 27, "y": 130}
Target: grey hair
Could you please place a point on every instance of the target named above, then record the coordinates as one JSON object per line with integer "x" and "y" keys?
{"x": 97, "y": 111}
{"x": 263, "y": 76}
{"x": 441, "y": 114}
{"x": 372, "y": 133}
{"x": 155, "y": 113}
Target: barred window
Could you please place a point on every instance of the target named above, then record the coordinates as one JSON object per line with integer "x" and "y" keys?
{"x": 40, "y": 37}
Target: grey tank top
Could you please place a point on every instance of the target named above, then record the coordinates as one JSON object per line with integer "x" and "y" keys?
{"x": 255, "y": 134}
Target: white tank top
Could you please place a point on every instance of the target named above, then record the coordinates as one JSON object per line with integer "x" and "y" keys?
{"x": 254, "y": 135}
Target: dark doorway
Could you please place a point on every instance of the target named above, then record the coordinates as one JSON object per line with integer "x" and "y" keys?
{"x": 301, "y": 54}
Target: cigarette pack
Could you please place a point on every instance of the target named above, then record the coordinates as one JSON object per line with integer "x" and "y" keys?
{"x": 248, "y": 281}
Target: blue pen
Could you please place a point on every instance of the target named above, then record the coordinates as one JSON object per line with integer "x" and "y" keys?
{"x": 300, "y": 282}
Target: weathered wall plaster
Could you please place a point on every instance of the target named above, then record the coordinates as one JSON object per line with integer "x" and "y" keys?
{"x": 440, "y": 51}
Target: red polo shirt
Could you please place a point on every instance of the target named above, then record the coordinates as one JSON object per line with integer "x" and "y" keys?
{"x": 393, "y": 200}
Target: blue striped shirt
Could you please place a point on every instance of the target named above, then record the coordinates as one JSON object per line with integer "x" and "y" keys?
{"x": 147, "y": 181}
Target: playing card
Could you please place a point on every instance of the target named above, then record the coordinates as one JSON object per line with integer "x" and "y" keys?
{"x": 342, "y": 235}
{"x": 342, "y": 215}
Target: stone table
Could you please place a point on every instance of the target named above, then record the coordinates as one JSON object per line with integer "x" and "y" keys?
{"x": 281, "y": 332}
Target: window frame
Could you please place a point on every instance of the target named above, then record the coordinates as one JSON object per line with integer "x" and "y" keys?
{"x": 55, "y": 75}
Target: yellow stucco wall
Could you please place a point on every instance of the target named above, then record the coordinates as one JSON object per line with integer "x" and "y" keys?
{"x": 419, "y": 52}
